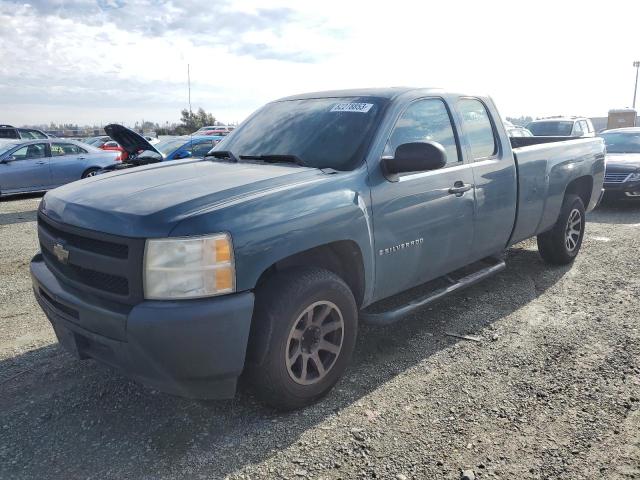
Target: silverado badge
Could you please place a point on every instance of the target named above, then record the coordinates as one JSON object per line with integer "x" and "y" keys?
{"x": 61, "y": 253}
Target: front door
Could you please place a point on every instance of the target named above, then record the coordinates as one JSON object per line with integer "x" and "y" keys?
{"x": 26, "y": 169}
{"x": 423, "y": 223}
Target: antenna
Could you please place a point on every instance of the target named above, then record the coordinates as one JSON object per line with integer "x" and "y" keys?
{"x": 190, "y": 112}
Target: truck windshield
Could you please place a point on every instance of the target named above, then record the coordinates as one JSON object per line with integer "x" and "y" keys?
{"x": 321, "y": 132}
{"x": 622, "y": 142}
{"x": 550, "y": 129}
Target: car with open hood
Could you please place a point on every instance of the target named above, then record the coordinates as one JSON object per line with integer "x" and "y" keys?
{"x": 141, "y": 151}
{"x": 622, "y": 176}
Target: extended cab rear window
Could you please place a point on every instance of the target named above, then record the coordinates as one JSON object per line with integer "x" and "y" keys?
{"x": 476, "y": 123}
{"x": 322, "y": 132}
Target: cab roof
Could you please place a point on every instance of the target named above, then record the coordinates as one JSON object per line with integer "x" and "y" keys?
{"x": 389, "y": 93}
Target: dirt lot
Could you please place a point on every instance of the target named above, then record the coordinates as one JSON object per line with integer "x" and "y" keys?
{"x": 550, "y": 390}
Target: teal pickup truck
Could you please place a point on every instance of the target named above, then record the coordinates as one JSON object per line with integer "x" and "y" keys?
{"x": 260, "y": 260}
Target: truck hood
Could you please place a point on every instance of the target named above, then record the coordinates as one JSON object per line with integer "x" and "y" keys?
{"x": 128, "y": 139}
{"x": 149, "y": 201}
{"x": 623, "y": 162}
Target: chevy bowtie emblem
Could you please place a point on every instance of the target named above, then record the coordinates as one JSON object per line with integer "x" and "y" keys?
{"x": 61, "y": 253}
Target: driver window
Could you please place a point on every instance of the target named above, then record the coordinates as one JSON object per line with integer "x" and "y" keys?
{"x": 30, "y": 151}
{"x": 425, "y": 121}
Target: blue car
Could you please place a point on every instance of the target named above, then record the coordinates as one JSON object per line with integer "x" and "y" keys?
{"x": 141, "y": 152}
{"x": 43, "y": 164}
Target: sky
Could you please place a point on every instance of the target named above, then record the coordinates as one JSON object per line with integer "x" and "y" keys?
{"x": 102, "y": 61}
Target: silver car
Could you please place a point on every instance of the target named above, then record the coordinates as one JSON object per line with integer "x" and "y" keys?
{"x": 39, "y": 165}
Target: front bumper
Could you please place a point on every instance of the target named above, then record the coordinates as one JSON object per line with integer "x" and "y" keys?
{"x": 191, "y": 348}
{"x": 622, "y": 187}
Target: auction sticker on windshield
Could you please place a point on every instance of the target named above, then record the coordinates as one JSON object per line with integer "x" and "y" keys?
{"x": 352, "y": 107}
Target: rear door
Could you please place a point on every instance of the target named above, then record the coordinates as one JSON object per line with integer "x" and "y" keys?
{"x": 422, "y": 229}
{"x": 494, "y": 175}
{"x": 27, "y": 169}
{"x": 67, "y": 162}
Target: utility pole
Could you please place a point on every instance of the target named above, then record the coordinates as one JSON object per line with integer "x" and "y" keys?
{"x": 636, "y": 64}
{"x": 189, "y": 86}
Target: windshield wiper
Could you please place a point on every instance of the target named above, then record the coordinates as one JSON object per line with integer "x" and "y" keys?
{"x": 223, "y": 154}
{"x": 275, "y": 158}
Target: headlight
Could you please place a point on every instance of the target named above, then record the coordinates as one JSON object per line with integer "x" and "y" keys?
{"x": 633, "y": 177}
{"x": 178, "y": 268}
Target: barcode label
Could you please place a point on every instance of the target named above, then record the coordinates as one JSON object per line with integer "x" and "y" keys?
{"x": 352, "y": 107}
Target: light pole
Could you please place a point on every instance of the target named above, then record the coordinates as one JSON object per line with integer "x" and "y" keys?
{"x": 635, "y": 90}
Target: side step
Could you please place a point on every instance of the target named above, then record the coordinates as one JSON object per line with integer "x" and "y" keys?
{"x": 454, "y": 284}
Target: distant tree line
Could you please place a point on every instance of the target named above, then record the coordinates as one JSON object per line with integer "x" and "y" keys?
{"x": 521, "y": 121}
{"x": 189, "y": 123}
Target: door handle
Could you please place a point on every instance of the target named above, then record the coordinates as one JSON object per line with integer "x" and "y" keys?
{"x": 459, "y": 188}
{"x": 81, "y": 158}
{"x": 41, "y": 163}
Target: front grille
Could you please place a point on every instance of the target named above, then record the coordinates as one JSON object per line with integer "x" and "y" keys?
{"x": 101, "y": 281}
{"x": 101, "y": 247}
{"x": 615, "y": 177}
{"x": 101, "y": 264}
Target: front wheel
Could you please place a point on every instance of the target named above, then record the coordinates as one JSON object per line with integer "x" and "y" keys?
{"x": 303, "y": 334}
{"x": 91, "y": 172}
{"x": 561, "y": 244}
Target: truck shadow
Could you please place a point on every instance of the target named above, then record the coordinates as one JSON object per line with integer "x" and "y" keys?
{"x": 63, "y": 418}
{"x": 18, "y": 217}
{"x": 620, "y": 212}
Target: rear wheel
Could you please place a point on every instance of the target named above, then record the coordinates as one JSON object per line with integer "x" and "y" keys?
{"x": 91, "y": 172}
{"x": 561, "y": 244}
{"x": 303, "y": 335}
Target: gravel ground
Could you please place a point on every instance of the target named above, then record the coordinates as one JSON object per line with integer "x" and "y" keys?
{"x": 548, "y": 387}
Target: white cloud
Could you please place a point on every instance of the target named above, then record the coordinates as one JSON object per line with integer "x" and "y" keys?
{"x": 102, "y": 61}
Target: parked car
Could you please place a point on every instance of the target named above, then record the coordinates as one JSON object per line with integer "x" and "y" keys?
{"x": 622, "y": 176}
{"x": 105, "y": 142}
{"x": 562, "y": 127}
{"x": 7, "y": 131}
{"x": 140, "y": 151}
{"x": 39, "y": 165}
{"x": 262, "y": 259}
{"x": 516, "y": 130}
{"x": 96, "y": 141}
{"x": 214, "y": 130}
{"x": 114, "y": 146}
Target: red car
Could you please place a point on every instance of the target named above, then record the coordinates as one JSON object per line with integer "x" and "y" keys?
{"x": 111, "y": 145}
{"x": 105, "y": 142}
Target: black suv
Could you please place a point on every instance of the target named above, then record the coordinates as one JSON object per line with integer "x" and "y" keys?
{"x": 7, "y": 131}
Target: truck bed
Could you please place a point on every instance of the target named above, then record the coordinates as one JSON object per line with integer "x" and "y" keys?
{"x": 546, "y": 166}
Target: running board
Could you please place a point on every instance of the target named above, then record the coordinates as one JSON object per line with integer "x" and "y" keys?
{"x": 392, "y": 316}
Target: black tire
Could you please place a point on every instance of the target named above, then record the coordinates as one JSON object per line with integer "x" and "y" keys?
{"x": 555, "y": 246}
{"x": 90, "y": 172}
{"x": 278, "y": 323}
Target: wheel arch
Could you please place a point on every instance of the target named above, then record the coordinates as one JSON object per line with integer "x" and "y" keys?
{"x": 582, "y": 187}
{"x": 344, "y": 258}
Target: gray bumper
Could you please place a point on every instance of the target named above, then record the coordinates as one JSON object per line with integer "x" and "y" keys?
{"x": 191, "y": 348}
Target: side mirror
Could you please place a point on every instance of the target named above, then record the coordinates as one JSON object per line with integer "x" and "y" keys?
{"x": 414, "y": 157}
{"x": 10, "y": 158}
